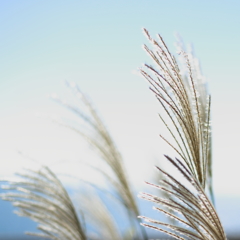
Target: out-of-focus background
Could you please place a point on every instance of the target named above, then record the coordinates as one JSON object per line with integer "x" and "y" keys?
{"x": 97, "y": 44}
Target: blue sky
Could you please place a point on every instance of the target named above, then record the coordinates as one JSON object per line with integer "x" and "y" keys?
{"x": 97, "y": 44}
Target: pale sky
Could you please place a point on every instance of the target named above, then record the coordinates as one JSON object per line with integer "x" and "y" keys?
{"x": 97, "y": 44}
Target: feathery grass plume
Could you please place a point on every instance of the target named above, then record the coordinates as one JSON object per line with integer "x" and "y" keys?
{"x": 203, "y": 97}
{"x": 199, "y": 217}
{"x": 40, "y": 196}
{"x": 184, "y": 98}
{"x": 186, "y": 102}
{"x": 99, "y": 138}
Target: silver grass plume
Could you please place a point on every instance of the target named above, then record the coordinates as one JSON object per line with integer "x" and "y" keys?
{"x": 101, "y": 141}
{"x": 200, "y": 85}
{"x": 184, "y": 98}
{"x": 40, "y": 196}
{"x": 197, "y": 214}
{"x": 186, "y": 102}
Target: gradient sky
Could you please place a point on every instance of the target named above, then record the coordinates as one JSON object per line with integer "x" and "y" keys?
{"x": 97, "y": 44}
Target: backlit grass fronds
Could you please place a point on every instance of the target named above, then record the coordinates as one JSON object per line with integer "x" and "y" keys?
{"x": 195, "y": 213}
{"x": 40, "y": 196}
{"x": 200, "y": 82}
{"x": 187, "y": 105}
{"x": 97, "y": 135}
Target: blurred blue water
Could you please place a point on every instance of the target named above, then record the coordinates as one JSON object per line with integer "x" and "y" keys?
{"x": 227, "y": 208}
{"x": 11, "y": 224}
